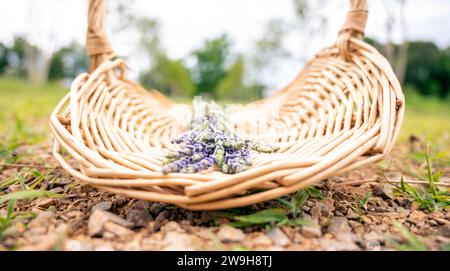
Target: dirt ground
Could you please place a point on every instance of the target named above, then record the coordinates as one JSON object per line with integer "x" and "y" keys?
{"x": 358, "y": 211}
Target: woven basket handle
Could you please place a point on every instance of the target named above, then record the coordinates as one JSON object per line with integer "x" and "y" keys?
{"x": 98, "y": 46}
{"x": 354, "y": 26}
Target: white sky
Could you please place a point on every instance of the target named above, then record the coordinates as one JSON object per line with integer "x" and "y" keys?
{"x": 186, "y": 24}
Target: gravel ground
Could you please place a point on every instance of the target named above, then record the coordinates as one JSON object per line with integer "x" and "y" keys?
{"x": 359, "y": 211}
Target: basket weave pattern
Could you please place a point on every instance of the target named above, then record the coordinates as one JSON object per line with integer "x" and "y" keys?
{"x": 343, "y": 111}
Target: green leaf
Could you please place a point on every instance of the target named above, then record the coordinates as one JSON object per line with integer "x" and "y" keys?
{"x": 263, "y": 217}
{"x": 402, "y": 185}
{"x": 21, "y": 180}
{"x": 28, "y": 194}
{"x": 285, "y": 202}
{"x": 41, "y": 178}
{"x": 314, "y": 192}
{"x": 363, "y": 202}
{"x": 299, "y": 221}
{"x": 10, "y": 208}
{"x": 430, "y": 176}
{"x": 7, "y": 182}
{"x": 298, "y": 200}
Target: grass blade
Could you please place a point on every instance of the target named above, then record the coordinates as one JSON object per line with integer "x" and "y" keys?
{"x": 29, "y": 194}
{"x": 413, "y": 242}
{"x": 264, "y": 216}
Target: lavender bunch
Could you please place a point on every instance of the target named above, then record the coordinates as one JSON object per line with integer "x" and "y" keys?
{"x": 209, "y": 144}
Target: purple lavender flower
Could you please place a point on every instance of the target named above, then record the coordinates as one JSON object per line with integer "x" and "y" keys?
{"x": 209, "y": 144}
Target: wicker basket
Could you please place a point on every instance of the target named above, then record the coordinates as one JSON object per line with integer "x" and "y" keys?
{"x": 343, "y": 111}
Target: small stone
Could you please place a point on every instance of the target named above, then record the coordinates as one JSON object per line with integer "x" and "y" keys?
{"x": 386, "y": 220}
{"x": 354, "y": 224}
{"x": 57, "y": 190}
{"x": 172, "y": 226}
{"x": 326, "y": 207}
{"x": 261, "y": 240}
{"x": 384, "y": 191}
{"x": 162, "y": 216}
{"x": 346, "y": 236}
{"x": 108, "y": 235}
{"x": 338, "y": 225}
{"x": 132, "y": 246}
{"x": 351, "y": 214}
{"x": 336, "y": 245}
{"x": 278, "y": 237}
{"x": 366, "y": 219}
{"x": 14, "y": 231}
{"x": 117, "y": 230}
{"x": 323, "y": 221}
{"x": 51, "y": 241}
{"x": 441, "y": 221}
{"x": 45, "y": 203}
{"x": 315, "y": 212}
{"x": 35, "y": 231}
{"x": 416, "y": 217}
{"x": 275, "y": 248}
{"x": 444, "y": 230}
{"x": 341, "y": 208}
{"x": 63, "y": 181}
{"x": 176, "y": 241}
{"x": 230, "y": 234}
{"x": 380, "y": 209}
{"x": 98, "y": 219}
{"x": 311, "y": 231}
{"x": 139, "y": 217}
{"x": 74, "y": 214}
{"x": 76, "y": 245}
{"x": 337, "y": 213}
{"x": 14, "y": 188}
{"x": 42, "y": 220}
{"x": 103, "y": 206}
{"x": 373, "y": 236}
{"x": 104, "y": 247}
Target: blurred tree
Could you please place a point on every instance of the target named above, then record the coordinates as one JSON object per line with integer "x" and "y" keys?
{"x": 233, "y": 87}
{"x": 163, "y": 73}
{"x": 68, "y": 62}
{"x": 168, "y": 76}
{"x": 428, "y": 69}
{"x": 16, "y": 58}
{"x": 210, "y": 64}
{"x": 4, "y": 50}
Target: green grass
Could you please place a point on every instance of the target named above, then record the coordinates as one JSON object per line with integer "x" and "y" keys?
{"x": 26, "y": 102}
{"x": 428, "y": 197}
{"x": 24, "y": 114}
{"x": 299, "y": 199}
{"x": 427, "y": 117}
{"x": 288, "y": 215}
{"x": 360, "y": 205}
{"x": 412, "y": 243}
